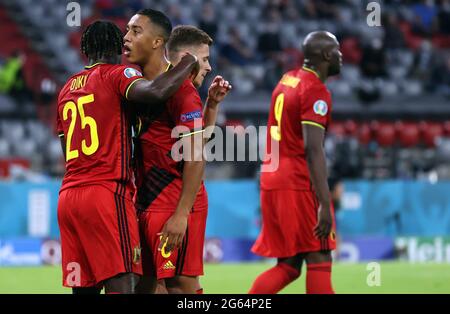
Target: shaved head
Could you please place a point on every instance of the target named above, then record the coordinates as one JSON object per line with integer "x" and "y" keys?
{"x": 322, "y": 47}
{"x": 316, "y": 42}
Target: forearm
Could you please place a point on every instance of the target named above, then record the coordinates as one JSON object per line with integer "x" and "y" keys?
{"x": 63, "y": 146}
{"x": 318, "y": 172}
{"x": 164, "y": 86}
{"x": 192, "y": 179}
{"x": 169, "y": 82}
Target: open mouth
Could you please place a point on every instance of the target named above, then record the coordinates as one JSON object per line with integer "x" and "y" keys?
{"x": 126, "y": 51}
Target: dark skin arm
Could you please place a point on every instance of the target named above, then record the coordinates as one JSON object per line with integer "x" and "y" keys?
{"x": 315, "y": 156}
{"x": 193, "y": 169}
{"x": 165, "y": 85}
{"x": 63, "y": 145}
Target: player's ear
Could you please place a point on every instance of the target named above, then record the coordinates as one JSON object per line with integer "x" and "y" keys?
{"x": 158, "y": 42}
{"x": 326, "y": 54}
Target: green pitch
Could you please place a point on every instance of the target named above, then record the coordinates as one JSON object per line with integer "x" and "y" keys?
{"x": 396, "y": 277}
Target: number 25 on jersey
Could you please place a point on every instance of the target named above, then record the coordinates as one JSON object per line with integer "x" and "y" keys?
{"x": 85, "y": 121}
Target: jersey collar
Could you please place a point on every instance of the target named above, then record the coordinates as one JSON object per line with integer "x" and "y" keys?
{"x": 311, "y": 70}
{"x": 93, "y": 65}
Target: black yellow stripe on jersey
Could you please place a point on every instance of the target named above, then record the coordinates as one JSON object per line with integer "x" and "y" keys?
{"x": 314, "y": 124}
{"x": 191, "y": 133}
{"x": 311, "y": 70}
{"x": 154, "y": 182}
{"x": 61, "y": 135}
{"x": 169, "y": 66}
{"x": 131, "y": 84}
{"x": 93, "y": 65}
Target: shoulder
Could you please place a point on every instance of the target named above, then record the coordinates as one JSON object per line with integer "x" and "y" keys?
{"x": 119, "y": 69}
{"x": 187, "y": 89}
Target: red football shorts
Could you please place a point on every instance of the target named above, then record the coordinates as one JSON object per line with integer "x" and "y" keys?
{"x": 187, "y": 260}
{"x": 99, "y": 235}
{"x": 288, "y": 221}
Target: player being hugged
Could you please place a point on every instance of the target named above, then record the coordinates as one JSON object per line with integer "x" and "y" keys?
{"x": 297, "y": 214}
{"x": 98, "y": 224}
{"x": 171, "y": 200}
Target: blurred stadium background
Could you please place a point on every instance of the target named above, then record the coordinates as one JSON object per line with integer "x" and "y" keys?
{"x": 389, "y": 145}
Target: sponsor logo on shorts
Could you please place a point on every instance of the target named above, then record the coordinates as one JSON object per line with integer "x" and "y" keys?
{"x": 168, "y": 266}
{"x": 189, "y": 116}
{"x": 130, "y": 72}
{"x": 137, "y": 255}
{"x": 320, "y": 107}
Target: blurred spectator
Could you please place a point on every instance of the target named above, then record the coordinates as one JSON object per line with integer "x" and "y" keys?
{"x": 46, "y": 100}
{"x": 310, "y": 10}
{"x": 373, "y": 61}
{"x": 426, "y": 65}
{"x": 292, "y": 57}
{"x": 393, "y": 36}
{"x": 11, "y": 78}
{"x": 327, "y": 9}
{"x": 425, "y": 13}
{"x": 269, "y": 46}
{"x": 208, "y": 21}
{"x": 292, "y": 13}
{"x": 444, "y": 17}
{"x": 277, "y": 5}
{"x": 175, "y": 15}
{"x": 235, "y": 51}
{"x": 373, "y": 67}
{"x": 442, "y": 77}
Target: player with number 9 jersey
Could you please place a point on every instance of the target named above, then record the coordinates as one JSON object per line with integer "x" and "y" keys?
{"x": 288, "y": 200}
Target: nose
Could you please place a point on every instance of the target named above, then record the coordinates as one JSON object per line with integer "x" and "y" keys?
{"x": 126, "y": 38}
{"x": 208, "y": 67}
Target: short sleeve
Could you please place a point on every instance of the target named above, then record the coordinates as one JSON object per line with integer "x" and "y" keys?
{"x": 122, "y": 78}
{"x": 316, "y": 107}
{"x": 186, "y": 110}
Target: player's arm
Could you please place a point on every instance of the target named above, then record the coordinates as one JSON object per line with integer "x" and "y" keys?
{"x": 193, "y": 169}
{"x": 313, "y": 136}
{"x": 63, "y": 144}
{"x": 216, "y": 93}
{"x": 164, "y": 86}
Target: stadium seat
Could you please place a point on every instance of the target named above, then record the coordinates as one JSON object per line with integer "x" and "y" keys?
{"x": 408, "y": 133}
{"x": 431, "y": 131}
{"x": 351, "y": 128}
{"x": 447, "y": 128}
{"x": 337, "y": 129}
{"x": 384, "y": 133}
{"x": 364, "y": 133}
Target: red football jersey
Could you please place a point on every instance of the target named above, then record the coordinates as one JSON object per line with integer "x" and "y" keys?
{"x": 160, "y": 176}
{"x": 94, "y": 119}
{"x": 299, "y": 98}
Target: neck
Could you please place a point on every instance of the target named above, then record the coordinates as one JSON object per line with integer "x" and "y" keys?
{"x": 319, "y": 71}
{"x": 101, "y": 60}
{"x": 155, "y": 66}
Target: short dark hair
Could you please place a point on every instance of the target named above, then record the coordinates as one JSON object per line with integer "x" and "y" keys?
{"x": 101, "y": 39}
{"x": 160, "y": 19}
{"x": 186, "y": 35}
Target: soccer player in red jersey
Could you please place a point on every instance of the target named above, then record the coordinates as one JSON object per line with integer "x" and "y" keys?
{"x": 96, "y": 216}
{"x": 297, "y": 215}
{"x": 171, "y": 199}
